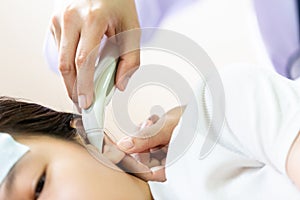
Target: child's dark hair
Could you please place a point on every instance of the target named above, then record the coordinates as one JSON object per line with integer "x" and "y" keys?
{"x": 18, "y": 116}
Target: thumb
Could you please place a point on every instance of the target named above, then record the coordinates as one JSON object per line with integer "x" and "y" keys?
{"x": 153, "y": 136}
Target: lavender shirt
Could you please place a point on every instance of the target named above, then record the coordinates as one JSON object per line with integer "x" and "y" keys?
{"x": 279, "y": 26}
{"x": 277, "y": 19}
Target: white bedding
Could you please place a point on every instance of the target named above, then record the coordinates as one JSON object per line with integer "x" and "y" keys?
{"x": 262, "y": 120}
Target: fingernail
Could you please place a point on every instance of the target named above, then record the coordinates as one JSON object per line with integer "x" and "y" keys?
{"x": 126, "y": 143}
{"x": 157, "y": 168}
{"x": 143, "y": 125}
{"x": 146, "y": 124}
{"x": 82, "y": 101}
{"x": 149, "y": 123}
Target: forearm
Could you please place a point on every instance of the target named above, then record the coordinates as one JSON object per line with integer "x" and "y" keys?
{"x": 293, "y": 162}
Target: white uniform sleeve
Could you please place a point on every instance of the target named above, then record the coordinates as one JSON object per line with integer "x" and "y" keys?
{"x": 263, "y": 113}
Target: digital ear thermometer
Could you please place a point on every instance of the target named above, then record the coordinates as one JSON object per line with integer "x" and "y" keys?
{"x": 93, "y": 117}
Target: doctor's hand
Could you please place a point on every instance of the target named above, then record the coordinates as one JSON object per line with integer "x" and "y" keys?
{"x": 79, "y": 29}
{"x": 148, "y": 166}
{"x": 157, "y": 133}
{"x": 146, "y": 155}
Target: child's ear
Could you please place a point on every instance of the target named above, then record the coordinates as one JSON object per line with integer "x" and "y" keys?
{"x": 76, "y": 123}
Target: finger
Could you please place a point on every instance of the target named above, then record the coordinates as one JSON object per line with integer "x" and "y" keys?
{"x": 129, "y": 62}
{"x": 146, "y": 159}
{"x": 150, "y": 121}
{"x": 56, "y": 30}
{"x": 142, "y": 157}
{"x": 127, "y": 65}
{"x": 68, "y": 44}
{"x": 145, "y": 124}
{"x": 129, "y": 164}
{"x": 158, "y": 174}
{"x": 154, "y": 118}
{"x": 152, "y": 136}
{"x": 113, "y": 153}
{"x": 159, "y": 154}
{"x": 153, "y": 163}
{"x": 86, "y": 55}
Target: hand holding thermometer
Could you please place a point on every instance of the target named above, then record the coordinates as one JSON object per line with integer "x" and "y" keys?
{"x": 93, "y": 117}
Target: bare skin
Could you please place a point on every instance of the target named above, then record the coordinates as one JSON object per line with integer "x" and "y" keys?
{"x": 78, "y": 28}
{"x": 293, "y": 162}
{"x": 59, "y": 169}
{"x": 164, "y": 132}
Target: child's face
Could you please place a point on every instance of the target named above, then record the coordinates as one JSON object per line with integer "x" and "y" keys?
{"x": 70, "y": 173}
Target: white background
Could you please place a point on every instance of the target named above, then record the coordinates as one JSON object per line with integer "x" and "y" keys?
{"x": 225, "y": 29}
